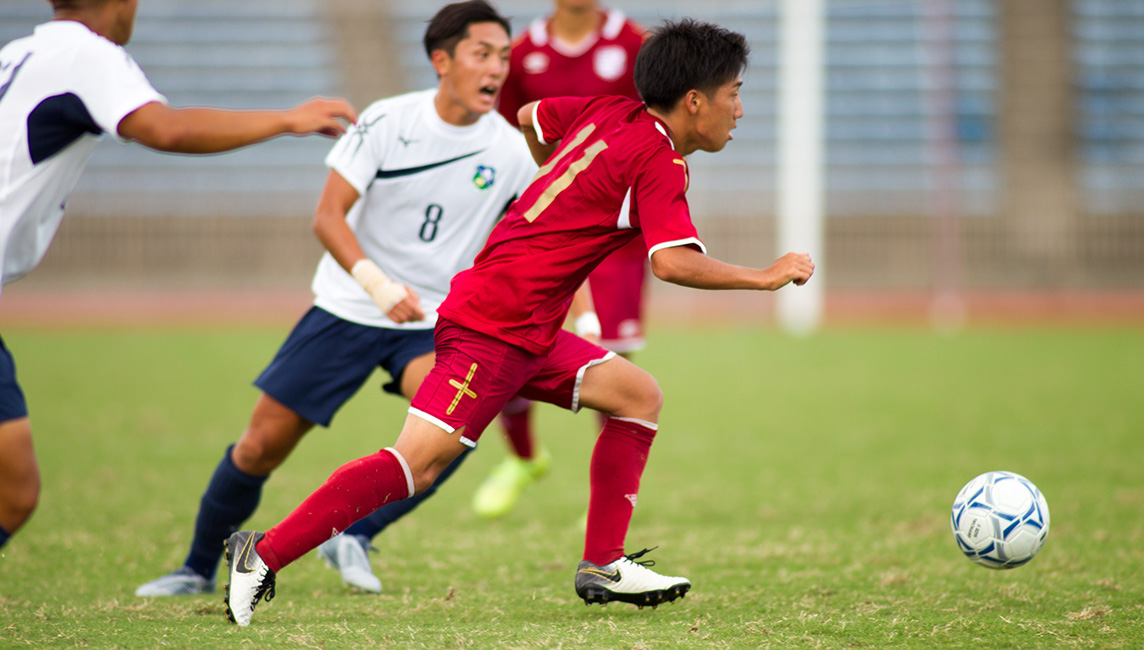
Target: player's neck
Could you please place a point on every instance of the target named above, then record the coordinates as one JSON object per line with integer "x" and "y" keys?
{"x": 571, "y": 26}
{"x": 451, "y": 111}
{"x": 98, "y": 19}
{"x": 678, "y": 128}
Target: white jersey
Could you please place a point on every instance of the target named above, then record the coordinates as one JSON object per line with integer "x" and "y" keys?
{"x": 430, "y": 194}
{"x": 61, "y": 89}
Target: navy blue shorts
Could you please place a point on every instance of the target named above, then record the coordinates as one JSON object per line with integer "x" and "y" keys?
{"x": 325, "y": 360}
{"x": 12, "y": 404}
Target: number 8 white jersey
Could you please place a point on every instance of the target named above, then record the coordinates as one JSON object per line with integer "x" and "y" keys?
{"x": 430, "y": 194}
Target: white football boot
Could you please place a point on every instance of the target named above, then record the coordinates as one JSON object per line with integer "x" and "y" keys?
{"x": 347, "y": 554}
{"x": 250, "y": 578}
{"x": 628, "y": 581}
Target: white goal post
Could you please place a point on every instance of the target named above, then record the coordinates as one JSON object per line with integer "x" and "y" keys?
{"x": 801, "y": 166}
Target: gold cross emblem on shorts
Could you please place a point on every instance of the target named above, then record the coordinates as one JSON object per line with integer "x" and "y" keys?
{"x": 462, "y": 389}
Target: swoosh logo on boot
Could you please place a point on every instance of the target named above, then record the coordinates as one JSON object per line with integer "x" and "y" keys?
{"x": 244, "y": 555}
{"x": 595, "y": 571}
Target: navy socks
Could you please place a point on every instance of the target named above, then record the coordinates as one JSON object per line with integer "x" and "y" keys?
{"x": 231, "y": 497}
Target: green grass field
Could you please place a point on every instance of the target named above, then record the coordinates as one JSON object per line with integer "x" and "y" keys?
{"x": 803, "y": 485}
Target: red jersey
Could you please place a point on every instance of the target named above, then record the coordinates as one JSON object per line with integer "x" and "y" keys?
{"x": 540, "y": 66}
{"x": 614, "y": 176}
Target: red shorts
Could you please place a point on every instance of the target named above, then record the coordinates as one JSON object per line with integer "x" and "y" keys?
{"x": 475, "y": 375}
{"x": 617, "y": 292}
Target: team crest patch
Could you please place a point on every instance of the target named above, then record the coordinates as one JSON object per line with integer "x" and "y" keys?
{"x": 536, "y": 63}
{"x": 485, "y": 177}
{"x": 610, "y": 62}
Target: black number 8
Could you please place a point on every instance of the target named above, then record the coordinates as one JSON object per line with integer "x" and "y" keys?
{"x": 432, "y": 218}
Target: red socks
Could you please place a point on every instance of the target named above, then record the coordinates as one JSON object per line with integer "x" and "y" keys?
{"x": 361, "y": 486}
{"x": 516, "y": 418}
{"x": 618, "y": 461}
{"x": 353, "y": 491}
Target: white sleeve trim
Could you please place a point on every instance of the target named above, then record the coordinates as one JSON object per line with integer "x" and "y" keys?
{"x": 690, "y": 241}
{"x": 536, "y": 123}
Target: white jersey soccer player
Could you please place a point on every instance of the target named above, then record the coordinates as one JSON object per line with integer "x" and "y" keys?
{"x": 430, "y": 194}
{"x": 414, "y": 189}
{"x": 61, "y": 90}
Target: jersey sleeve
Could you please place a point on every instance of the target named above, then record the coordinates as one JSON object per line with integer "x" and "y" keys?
{"x": 356, "y": 156}
{"x": 660, "y": 196}
{"x": 512, "y": 95}
{"x": 114, "y": 85}
{"x": 555, "y": 115}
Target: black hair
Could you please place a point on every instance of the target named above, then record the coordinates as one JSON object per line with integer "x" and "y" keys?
{"x": 65, "y": 5}
{"x": 451, "y": 24}
{"x": 686, "y": 55}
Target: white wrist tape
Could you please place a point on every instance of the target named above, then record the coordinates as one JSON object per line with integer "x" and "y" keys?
{"x": 587, "y": 324}
{"x": 385, "y": 292}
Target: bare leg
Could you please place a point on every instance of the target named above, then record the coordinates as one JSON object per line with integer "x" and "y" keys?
{"x": 19, "y": 474}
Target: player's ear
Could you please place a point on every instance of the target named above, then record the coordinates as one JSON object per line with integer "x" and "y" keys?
{"x": 441, "y": 62}
{"x": 693, "y": 100}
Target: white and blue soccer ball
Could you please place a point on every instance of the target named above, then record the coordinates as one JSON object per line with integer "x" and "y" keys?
{"x": 1000, "y": 520}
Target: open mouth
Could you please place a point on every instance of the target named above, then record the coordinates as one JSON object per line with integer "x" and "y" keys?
{"x": 489, "y": 91}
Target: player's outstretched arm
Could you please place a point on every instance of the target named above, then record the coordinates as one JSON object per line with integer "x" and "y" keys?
{"x": 212, "y": 130}
{"x": 398, "y": 302}
{"x": 688, "y": 267}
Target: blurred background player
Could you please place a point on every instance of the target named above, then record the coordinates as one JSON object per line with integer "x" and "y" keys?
{"x": 581, "y": 50}
{"x": 61, "y": 90}
{"x": 414, "y": 189}
{"x": 613, "y": 168}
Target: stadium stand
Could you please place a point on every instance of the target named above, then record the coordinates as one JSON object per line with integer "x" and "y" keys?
{"x": 1109, "y": 57}
{"x": 257, "y": 53}
{"x": 1045, "y": 104}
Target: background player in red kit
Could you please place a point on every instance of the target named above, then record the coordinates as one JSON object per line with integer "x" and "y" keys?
{"x": 581, "y": 50}
{"x": 617, "y": 170}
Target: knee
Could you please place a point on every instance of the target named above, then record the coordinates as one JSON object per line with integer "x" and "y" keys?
{"x": 29, "y": 497}
{"x": 425, "y": 473}
{"x": 24, "y": 496}
{"x": 422, "y": 481}
{"x": 649, "y": 397}
{"x": 262, "y": 448}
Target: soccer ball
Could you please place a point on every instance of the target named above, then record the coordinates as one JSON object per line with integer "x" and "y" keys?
{"x": 1000, "y": 520}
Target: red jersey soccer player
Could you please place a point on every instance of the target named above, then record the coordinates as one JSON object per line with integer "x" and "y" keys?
{"x": 617, "y": 171}
{"x": 581, "y": 50}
